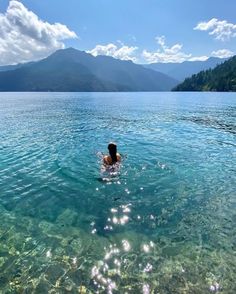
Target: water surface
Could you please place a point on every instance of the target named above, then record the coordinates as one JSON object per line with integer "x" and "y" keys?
{"x": 164, "y": 224}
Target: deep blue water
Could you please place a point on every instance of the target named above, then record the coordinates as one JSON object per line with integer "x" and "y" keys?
{"x": 165, "y": 223}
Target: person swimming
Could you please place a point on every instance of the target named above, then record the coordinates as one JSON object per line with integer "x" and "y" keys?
{"x": 113, "y": 156}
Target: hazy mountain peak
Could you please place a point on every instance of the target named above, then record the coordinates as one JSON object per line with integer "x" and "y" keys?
{"x": 181, "y": 71}
{"x": 74, "y": 70}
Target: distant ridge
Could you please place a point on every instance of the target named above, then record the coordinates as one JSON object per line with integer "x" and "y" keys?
{"x": 181, "y": 71}
{"x": 15, "y": 66}
{"x": 220, "y": 79}
{"x": 9, "y": 67}
{"x": 74, "y": 70}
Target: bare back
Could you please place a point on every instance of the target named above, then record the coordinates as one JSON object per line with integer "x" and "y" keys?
{"x": 108, "y": 160}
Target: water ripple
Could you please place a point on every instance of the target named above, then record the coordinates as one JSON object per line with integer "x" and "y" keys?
{"x": 165, "y": 223}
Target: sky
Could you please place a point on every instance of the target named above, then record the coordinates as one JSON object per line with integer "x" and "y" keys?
{"x": 144, "y": 31}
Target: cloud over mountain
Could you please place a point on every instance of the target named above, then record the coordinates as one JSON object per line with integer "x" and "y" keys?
{"x": 25, "y": 37}
{"x": 220, "y": 29}
{"x": 168, "y": 54}
{"x": 223, "y": 53}
{"x": 122, "y": 52}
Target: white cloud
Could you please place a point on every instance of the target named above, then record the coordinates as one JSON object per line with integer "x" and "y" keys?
{"x": 199, "y": 58}
{"x": 24, "y": 37}
{"x": 166, "y": 54}
{"x": 220, "y": 29}
{"x": 223, "y": 53}
{"x": 122, "y": 51}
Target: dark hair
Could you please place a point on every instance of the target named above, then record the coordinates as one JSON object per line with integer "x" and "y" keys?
{"x": 113, "y": 150}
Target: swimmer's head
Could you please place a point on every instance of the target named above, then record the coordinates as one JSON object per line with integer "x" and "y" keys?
{"x": 112, "y": 147}
{"x": 112, "y": 151}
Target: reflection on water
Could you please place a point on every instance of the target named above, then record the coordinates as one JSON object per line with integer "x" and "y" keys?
{"x": 161, "y": 222}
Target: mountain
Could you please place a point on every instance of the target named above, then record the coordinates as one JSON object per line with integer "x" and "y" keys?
{"x": 9, "y": 67}
{"x": 221, "y": 79}
{"x": 15, "y": 66}
{"x": 74, "y": 70}
{"x": 181, "y": 71}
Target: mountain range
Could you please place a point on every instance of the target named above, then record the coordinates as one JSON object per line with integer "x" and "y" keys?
{"x": 221, "y": 79}
{"x": 181, "y": 71}
{"x": 73, "y": 70}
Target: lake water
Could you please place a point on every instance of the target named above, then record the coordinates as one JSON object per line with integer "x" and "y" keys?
{"x": 164, "y": 223}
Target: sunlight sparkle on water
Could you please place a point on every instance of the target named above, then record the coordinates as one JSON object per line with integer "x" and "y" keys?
{"x": 163, "y": 223}
{"x": 148, "y": 268}
{"x": 126, "y": 245}
{"x": 146, "y": 289}
{"x": 49, "y": 254}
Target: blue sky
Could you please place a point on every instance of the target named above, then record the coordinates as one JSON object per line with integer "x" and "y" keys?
{"x": 141, "y": 30}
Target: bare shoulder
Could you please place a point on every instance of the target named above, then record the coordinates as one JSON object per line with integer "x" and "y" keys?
{"x": 118, "y": 157}
{"x": 106, "y": 159}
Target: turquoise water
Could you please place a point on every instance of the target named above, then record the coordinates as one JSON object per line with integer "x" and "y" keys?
{"x": 164, "y": 223}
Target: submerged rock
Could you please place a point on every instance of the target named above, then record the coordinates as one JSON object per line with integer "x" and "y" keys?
{"x": 67, "y": 218}
{"x": 43, "y": 287}
{"x": 53, "y": 273}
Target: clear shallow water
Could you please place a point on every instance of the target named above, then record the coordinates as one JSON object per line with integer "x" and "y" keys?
{"x": 165, "y": 224}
